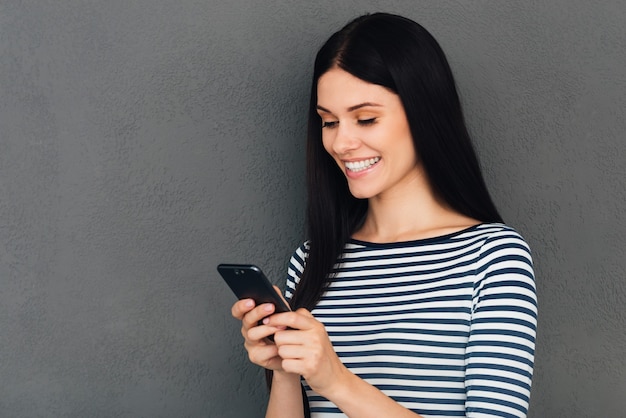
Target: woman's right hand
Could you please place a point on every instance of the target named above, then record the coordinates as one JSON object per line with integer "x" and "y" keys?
{"x": 261, "y": 350}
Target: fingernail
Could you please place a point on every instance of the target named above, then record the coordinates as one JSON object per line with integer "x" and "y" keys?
{"x": 249, "y": 303}
{"x": 268, "y": 308}
{"x": 266, "y": 321}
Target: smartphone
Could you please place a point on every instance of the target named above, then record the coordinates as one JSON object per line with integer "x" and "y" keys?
{"x": 248, "y": 281}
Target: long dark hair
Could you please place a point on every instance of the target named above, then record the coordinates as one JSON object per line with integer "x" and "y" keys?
{"x": 399, "y": 54}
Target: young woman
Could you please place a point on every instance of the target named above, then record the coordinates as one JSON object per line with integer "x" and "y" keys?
{"x": 411, "y": 297}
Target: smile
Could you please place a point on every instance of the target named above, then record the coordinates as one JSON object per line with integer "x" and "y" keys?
{"x": 356, "y": 166}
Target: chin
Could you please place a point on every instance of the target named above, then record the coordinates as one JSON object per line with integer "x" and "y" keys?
{"x": 361, "y": 194}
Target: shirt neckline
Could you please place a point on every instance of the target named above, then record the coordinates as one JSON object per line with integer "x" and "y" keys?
{"x": 429, "y": 240}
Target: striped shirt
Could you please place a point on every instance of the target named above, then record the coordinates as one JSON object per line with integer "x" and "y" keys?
{"x": 444, "y": 326}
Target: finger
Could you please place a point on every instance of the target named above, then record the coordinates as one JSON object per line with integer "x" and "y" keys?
{"x": 264, "y": 356}
{"x": 295, "y": 366}
{"x": 295, "y": 350}
{"x": 314, "y": 337}
{"x": 241, "y": 307}
{"x": 289, "y": 337}
{"x": 305, "y": 312}
{"x": 301, "y": 319}
{"x": 259, "y": 334}
{"x": 252, "y": 318}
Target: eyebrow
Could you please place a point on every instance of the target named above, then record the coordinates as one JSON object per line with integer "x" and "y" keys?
{"x": 351, "y": 108}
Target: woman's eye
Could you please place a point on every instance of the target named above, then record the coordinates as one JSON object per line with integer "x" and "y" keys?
{"x": 366, "y": 121}
{"x": 330, "y": 124}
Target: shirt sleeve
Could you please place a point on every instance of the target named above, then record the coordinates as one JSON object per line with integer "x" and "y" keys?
{"x": 295, "y": 270}
{"x": 499, "y": 356}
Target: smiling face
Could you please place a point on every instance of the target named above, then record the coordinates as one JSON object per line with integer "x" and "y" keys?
{"x": 365, "y": 130}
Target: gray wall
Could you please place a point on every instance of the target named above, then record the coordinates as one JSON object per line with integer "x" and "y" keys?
{"x": 142, "y": 142}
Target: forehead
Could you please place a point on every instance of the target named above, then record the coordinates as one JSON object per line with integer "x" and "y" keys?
{"x": 338, "y": 88}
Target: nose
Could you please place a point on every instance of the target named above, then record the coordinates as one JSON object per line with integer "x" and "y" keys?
{"x": 345, "y": 140}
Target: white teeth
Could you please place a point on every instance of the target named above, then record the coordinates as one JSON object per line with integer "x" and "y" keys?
{"x": 357, "y": 166}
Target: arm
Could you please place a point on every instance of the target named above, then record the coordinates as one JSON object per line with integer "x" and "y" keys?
{"x": 500, "y": 351}
{"x": 357, "y": 398}
{"x": 307, "y": 351}
{"x": 285, "y": 396}
{"x": 350, "y": 393}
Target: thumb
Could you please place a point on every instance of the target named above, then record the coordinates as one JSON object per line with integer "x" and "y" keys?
{"x": 305, "y": 312}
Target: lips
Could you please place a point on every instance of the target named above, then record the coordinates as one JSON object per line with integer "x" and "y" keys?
{"x": 356, "y": 166}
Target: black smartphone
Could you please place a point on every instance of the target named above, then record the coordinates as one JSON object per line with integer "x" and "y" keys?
{"x": 248, "y": 281}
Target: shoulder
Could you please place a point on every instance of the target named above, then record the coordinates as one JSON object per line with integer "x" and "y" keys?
{"x": 497, "y": 230}
{"x": 504, "y": 262}
{"x": 500, "y": 240}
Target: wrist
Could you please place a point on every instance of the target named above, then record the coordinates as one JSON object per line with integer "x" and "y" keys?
{"x": 281, "y": 376}
{"x": 341, "y": 380}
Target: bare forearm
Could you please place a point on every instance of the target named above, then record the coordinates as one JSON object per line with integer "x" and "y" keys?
{"x": 357, "y": 398}
{"x": 285, "y": 397}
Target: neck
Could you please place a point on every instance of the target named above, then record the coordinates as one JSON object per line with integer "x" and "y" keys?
{"x": 410, "y": 215}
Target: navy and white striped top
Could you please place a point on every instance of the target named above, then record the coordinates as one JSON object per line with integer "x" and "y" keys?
{"x": 445, "y": 326}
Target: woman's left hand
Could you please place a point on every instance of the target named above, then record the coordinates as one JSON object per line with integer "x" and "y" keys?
{"x": 305, "y": 349}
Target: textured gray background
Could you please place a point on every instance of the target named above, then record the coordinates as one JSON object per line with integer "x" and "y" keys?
{"x": 142, "y": 142}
